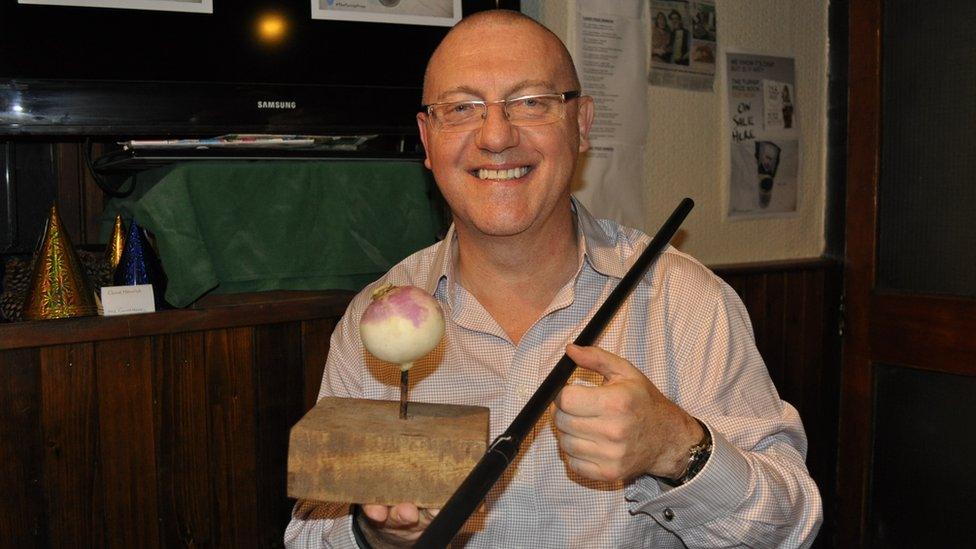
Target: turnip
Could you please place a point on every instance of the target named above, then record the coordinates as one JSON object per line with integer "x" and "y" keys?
{"x": 401, "y": 325}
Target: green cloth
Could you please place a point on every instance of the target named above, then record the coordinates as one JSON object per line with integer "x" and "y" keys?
{"x": 243, "y": 226}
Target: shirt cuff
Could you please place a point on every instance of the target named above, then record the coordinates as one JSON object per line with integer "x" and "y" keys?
{"x": 342, "y": 534}
{"x": 716, "y": 491}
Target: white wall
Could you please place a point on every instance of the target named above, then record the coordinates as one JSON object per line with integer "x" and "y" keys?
{"x": 688, "y": 143}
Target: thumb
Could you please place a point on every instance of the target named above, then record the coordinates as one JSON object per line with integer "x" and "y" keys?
{"x": 609, "y": 365}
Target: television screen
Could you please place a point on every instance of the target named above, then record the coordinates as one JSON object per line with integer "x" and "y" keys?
{"x": 250, "y": 66}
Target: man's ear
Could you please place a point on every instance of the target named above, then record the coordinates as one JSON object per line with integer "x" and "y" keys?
{"x": 422, "y": 126}
{"x": 584, "y": 118}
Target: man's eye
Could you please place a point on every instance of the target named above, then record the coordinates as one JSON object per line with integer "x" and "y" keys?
{"x": 462, "y": 108}
{"x": 532, "y": 104}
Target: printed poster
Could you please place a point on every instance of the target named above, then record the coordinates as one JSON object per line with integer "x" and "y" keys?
{"x": 683, "y": 44}
{"x": 610, "y": 59}
{"x": 443, "y": 13}
{"x": 193, "y": 6}
{"x": 764, "y": 137}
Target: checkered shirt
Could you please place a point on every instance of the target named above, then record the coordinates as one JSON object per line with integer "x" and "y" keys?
{"x": 683, "y": 327}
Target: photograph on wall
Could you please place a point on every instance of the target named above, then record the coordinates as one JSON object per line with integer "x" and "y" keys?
{"x": 192, "y": 6}
{"x": 765, "y": 146}
{"x": 683, "y": 41}
{"x": 443, "y": 13}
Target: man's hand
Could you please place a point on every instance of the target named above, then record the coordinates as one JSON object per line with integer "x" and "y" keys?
{"x": 623, "y": 428}
{"x": 395, "y": 526}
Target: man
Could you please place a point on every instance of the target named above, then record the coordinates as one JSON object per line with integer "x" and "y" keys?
{"x": 679, "y": 39}
{"x": 671, "y": 433}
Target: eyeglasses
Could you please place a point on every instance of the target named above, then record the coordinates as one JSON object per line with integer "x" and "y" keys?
{"x": 528, "y": 110}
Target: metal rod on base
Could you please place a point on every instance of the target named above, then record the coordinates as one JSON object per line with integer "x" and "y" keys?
{"x": 404, "y": 375}
{"x": 503, "y": 450}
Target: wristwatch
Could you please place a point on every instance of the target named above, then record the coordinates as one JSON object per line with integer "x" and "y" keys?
{"x": 697, "y": 458}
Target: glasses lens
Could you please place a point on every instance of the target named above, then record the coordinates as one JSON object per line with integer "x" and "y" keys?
{"x": 535, "y": 110}
{"x": 458, "y": 116}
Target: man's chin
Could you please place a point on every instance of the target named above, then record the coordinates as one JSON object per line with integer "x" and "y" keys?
{"x": 500, "y": 229}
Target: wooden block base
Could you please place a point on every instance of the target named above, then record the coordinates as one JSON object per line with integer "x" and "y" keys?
{"x": 360, "y": 451}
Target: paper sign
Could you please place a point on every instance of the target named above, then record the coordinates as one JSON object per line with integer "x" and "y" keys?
{"x": 127, "y": 300}
{"x": 611, "y": 59}
{"x": 764, "y": 136}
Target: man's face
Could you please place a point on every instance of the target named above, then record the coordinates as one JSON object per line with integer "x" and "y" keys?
{"x": 676, "y": 21}
{"x": 500, "y": 179}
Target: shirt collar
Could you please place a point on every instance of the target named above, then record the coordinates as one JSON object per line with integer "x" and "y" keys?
{"x": 596, "y": 246}
{"x": 444, "y": 261}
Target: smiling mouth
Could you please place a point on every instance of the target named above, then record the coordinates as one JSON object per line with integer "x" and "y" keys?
{"x": 501, "y": 175}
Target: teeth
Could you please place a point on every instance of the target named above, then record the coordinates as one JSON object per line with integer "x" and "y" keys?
{"x": 502, "y": 175}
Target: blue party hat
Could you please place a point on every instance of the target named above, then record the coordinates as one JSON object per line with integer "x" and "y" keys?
{"x": 139, "y": 264}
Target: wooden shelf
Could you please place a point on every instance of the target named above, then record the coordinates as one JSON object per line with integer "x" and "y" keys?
{"x": 209, "y": 313}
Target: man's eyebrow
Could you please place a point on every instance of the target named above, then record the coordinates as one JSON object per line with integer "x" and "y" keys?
{"x": 456, "y": 90}
{"x": 517, "y": 88}
{"x": 525, "y": 84}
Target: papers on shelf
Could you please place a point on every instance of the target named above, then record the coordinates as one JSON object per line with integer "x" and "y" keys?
{"x": 263, "y": 141}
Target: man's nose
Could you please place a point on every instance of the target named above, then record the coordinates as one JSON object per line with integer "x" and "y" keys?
{"x": 497, "y": 133}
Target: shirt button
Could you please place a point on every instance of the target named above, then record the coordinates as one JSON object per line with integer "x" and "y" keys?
{"x": 668, "y": 514}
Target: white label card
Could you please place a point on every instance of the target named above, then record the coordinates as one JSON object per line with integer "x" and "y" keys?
{"x": 127, "y": 300}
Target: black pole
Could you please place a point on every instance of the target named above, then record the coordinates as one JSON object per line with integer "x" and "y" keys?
{"x": 503, "y": 450}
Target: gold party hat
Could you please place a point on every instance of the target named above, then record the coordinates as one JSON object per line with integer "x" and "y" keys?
{"x": 113, "y": 251}
{"x": 58, "y": 286}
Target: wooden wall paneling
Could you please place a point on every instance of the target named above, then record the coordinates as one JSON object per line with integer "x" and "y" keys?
{"x": 68, "y": 170}
{"x": 69, "y": 423}
{"x": 280, "y": 399}
{"x": 93, "y": 199}
{"x": 315, "y": 350}
{"x": 233, "y": 468}
{"x": 186, "y": 502}
{"x": 127, "y": 442}
{"x": 803, "y": 375}
{"x": 815, "y": 384}
{"x": 754, "y": 298}
{"x": 773, "y": 335}
{"x": 823, "y": 377}
{"x": 80, "y": 200}
{"x": 22, "y": 519}
{"x": 798, "y": 316}
{"x": 35, "y": 189}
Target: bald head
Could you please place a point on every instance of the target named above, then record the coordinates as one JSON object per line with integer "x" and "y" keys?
{"x": 475, "y": 29}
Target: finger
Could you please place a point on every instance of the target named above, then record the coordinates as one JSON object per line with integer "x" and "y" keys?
{"x": 581, "y": 401}
{"x": 585, "y": 468}
{"x": 376, "y": 513}
{"x": 404, "y": 514}
{"x": 605, "y": 363}
{"x": 586, "y": 427}
{"x": 581, "y": 448}
{"x": 585, "y": 401}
